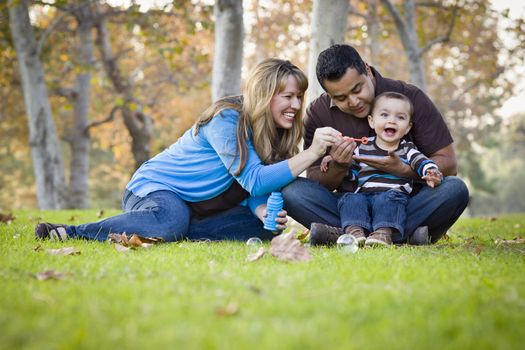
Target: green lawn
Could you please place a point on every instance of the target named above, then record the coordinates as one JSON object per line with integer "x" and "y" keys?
{"x": 464, "y": 293}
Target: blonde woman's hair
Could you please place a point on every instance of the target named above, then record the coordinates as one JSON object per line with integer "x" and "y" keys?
{"x": 268, "y": 78}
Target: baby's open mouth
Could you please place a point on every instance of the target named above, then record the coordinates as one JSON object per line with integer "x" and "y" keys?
{"x": 390, "y": 131}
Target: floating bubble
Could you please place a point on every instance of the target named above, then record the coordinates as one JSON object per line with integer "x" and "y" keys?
{"x": 253, "y": 244}
{"x": 347, "y": 243}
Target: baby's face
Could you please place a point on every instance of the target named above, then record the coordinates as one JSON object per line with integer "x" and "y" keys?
{"x": 390, "y": 119}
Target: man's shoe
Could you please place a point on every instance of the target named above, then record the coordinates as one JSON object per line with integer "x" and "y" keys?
{"x": 51, "y": 232}
{"x": 324, "y": 235}
{"x": 420, "y": 236}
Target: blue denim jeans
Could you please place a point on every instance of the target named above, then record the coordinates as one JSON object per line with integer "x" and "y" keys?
{"x": 374, "y": 210}
{"x": 164, "y": 214}
{"x": 438, "y": 208}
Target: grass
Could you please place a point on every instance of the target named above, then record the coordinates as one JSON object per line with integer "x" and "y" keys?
{"x": 463, "y": 293}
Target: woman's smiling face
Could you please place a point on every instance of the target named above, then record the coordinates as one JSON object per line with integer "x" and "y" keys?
{"x": 286, "y": 104}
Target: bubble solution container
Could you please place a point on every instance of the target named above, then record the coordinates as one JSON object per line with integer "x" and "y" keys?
{"x": 273, "y": 207}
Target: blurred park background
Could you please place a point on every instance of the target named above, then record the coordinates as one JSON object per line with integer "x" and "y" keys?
{"x": 124, "y": 79}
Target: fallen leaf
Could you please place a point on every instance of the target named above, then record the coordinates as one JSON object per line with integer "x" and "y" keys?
{"x": 255, "y": 289}
{"x": 517, "y": 225}
{"x": 121, "y": 248}
{"x": 52, "y": 275}
{"x": 303, "y": 236}
{"x": 231, "y": 309}
{"x": 478, "y": 250}
{"x": 257, "y": 255}
{"x": 144, "y": 242}
{"x": 100, "y": 214}
{"x": 7, "y": 218}
{"x": 37, "y": 248}
{"x": 515, "y": 240}
{"x": 135, "y": 241}
{"x": 493, "y": 218}
{"x": 120, "y": 238}
{"x": 288, "y": 248}
{"x": 64, "y": 251}
{"x": 72, "y": 218}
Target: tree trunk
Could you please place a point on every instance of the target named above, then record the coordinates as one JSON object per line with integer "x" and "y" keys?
{"x": 79, "y": 137}
{"x": 406, "y": 28}
{"x": 374, "y": 30}
{"x": 48, "y": 165}
{"x": 139, "y": 124}
{"x": 329, "y": 18}
{"x": 227, "y": 61}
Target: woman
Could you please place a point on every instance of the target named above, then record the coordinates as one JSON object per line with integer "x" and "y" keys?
{"x": 214, "y": 181}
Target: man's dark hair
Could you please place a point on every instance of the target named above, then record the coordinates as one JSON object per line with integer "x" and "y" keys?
{"x": 333, "y": 62}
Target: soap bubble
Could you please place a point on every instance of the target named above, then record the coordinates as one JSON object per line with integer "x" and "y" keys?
{"x": 347, "y": 243}
{"x": 253, "y": 244}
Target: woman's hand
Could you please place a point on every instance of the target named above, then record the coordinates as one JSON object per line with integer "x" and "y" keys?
{"x": 342, "y": 151}
{"x": 281, "y": 220}
{"x": 324, "y": 138}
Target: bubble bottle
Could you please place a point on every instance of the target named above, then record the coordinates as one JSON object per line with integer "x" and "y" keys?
{"x": 273, "y": 207}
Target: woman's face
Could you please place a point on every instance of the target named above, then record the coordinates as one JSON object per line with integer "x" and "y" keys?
{"x": 286, "y": 104}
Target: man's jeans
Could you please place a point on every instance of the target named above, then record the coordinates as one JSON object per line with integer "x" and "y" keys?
{"x": 438, "y": 208}
{"x": 164, "y": 214}
{"x": 374, "y": 210}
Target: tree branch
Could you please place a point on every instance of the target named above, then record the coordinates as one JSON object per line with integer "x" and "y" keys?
{"x": 443, "y": 39}
{"x": 400, "y": 23}
{"x": 47, "y": 32}
{"x": 352, "y": 10}
{"x": 103, "y": 121}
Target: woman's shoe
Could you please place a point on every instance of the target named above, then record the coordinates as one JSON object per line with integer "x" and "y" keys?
{"x": 51, "y": 231}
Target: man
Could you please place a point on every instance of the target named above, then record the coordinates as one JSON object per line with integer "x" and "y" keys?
{"x": 351, "y": 85}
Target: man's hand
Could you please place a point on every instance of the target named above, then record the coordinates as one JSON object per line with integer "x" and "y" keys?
{"x": 433, "y": 177}
{"x": 391, "y": 164}
{"x": 342, "y": 151}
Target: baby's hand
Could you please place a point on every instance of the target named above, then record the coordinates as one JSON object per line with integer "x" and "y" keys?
{"x": 324, "y": 163}
{"x": 433, "y": 177}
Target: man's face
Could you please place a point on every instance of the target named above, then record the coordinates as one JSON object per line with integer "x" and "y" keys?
{"x": 353, "y": 93}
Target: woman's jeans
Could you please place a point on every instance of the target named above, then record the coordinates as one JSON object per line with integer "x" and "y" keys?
{"x": 164, "y": 214}
{"x": 438, "y": 208}
{"x": 374, "y": 210}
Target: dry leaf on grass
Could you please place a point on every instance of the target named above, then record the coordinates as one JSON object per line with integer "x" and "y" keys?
{"x": 121, "y": 248}
{"x": 478, "y": 250}
{"x": 100, "y": 214}
{"x": 120, "y": 238}
{"x": 64, "y": 251}
{"x": 144, "y": 242}
{"x": 288, "y": 248}
{"x": 7, "y": 218}
{"x": 304, "y": 236}
{"x": 257, "y": 255}
{"x": 135, "y": 241}
{"x": 515, "y": 240}
{"x": 52, "y": 275}
{"x": 231, "y": 309}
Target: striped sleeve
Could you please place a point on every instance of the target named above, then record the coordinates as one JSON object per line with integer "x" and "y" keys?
{"x": 417, "y": 160}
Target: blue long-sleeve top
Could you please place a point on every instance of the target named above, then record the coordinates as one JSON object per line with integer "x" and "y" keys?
{"x": 200, "y": 167}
